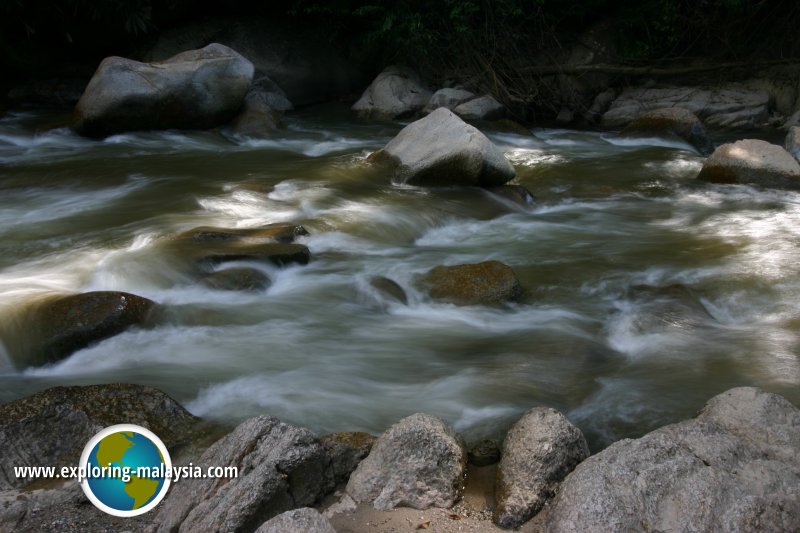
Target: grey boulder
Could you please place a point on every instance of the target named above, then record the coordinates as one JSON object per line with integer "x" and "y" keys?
{"x": 752, "y": 161}
{"x": 197, "y": 89}
{"x": 440, "y": 150}
{"x": 482, "y": 108}
{"x": 304, "y": 520}
{"x": 792, "y": 143}
{"x": 449, "y": 98}
{"x": 280, "y": 467}
{"x": 736, "y": 467}
{"x": 396, "y": 92}
{"x": 419, "y": 462}
{"x": 538, "y": 453}
{"x": 672, "y": 122}
{"x": 732, "y": 106}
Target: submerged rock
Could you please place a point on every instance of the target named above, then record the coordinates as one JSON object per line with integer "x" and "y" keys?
{"x": 733, "y": 468}
{"x": 667, "y": 308}
{"x": 441, "y": 149}
{"x": 515, "y": 193}
{"x": 792, "y": 143}
{"x": 449, "y": 98}
{"x": 732, "y": 106}
{"x": 538, "y": 453}
{"x": 305, "y": 520}
{"x": 280, "y": 467}
{"x": 346, "y": 450}
{"x": 197, "y": 89}
{"x": 672, "y": 122}
{"x": 419, "y": 462}
{"x": 237, "y": 279}
{"x": 273, "y": 232}
{"x": 487, "y": 283}
{"x": 482, "y": 108}
{"x": 485, "y": 453}
{"x": 66, "y": 324}
{"x": 395, "y": 93}
{"x": 51, "y": 427}
{"x": 752, "y": 162}
{"x": 389, "y": 288}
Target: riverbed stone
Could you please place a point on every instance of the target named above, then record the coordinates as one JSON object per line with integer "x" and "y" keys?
{"x": 729, "y": 106}
{"x": 539, "y": 451}
{"x": 196, "y": 89}
{"x": 735, "y": 467}
{"x": 487, "y": 283}
{"x": 516, "y": 194}
{"x": 419, "y": 462}
{"x": 50, "y": 428}
{"x": 285, "y": 233}
{"x": 752, "y": 161}
{"x": 237, "y": 279}
{"x": 395, "y": 93}
{"x": 667, "y": 309}
{"x": 792, "y": 143}
{"x": 449, "y": 98}
{"x": 672, "y": 122}
{"x": 280, "y": 467}
{"x": 482, "y": 108}
{"x": 304, "y": 520}
{"x": 389, "y": 288}
{"x": 440, "y": 150}
{"x": 62, "y": 325}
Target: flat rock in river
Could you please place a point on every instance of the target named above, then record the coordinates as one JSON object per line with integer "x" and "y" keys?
{"x": 441, "y": 149}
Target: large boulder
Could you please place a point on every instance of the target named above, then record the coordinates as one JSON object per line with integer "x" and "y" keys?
{"x": 792, "y": 143}
{"x": 449, "y": 98}
{"x": 197, "y": 89}
{"x": 395, "y": 93}
{"x": 482, "y": 108}
{"x": 280, "y": 467}
{"x": 754, "y": 162}
{"x": 732, "y": 106}
{"x": 736, "y": 467}
{"x": 441, "y": 149}
{"x": 59, "y": 326}
{"x": 51, "y": 427}
{"x": 672, "y": 122}
{"x": 304, "y": 520}
{"x": 419, "y": 462}
{"x": 299, "y": 58}
{"x": 487, "y": 283}
{"x": 538, "y": 453}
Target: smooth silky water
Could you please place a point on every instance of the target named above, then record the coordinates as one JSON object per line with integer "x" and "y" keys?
{"x": 320, "y": 348}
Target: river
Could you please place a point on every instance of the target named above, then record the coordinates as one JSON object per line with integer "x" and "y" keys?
{"x": 321, "y": 348}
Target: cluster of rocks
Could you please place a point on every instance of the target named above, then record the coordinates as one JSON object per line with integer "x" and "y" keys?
{"x": 399, "y": 92}
{"x": 732, "y": 468}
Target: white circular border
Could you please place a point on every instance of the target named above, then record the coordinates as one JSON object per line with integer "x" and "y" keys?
{"x": 87, "y": 451}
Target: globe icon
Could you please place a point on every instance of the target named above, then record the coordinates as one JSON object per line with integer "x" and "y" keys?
{"x": 126, "y": 470}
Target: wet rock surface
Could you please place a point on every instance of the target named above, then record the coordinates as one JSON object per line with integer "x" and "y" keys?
{"x": 672, "y": 122}
{"x": 395, "y": 93}
{"x": 487, "y": 283}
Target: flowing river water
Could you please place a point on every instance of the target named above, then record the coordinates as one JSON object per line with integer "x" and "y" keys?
{"x": 321, "y": 348}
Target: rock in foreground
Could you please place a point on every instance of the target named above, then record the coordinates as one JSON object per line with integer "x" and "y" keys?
{"x": 736, "y": 467}
{"x": 305, "y": 520}
{"x": 66, "y": 324}
{"x": 487, "y": 283}
{"x": 197, "y": 89}
{"x": 538, "y": 453}
{"x": 441, "y": 149}
{"x": 395, "y": 93}
{"x": 419, "y": 462}
{"x": 672, "y": 122}
{"x": 281, "y": 467}
{"x": 51, "y": 427}
{"x": 752, "y": 162}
